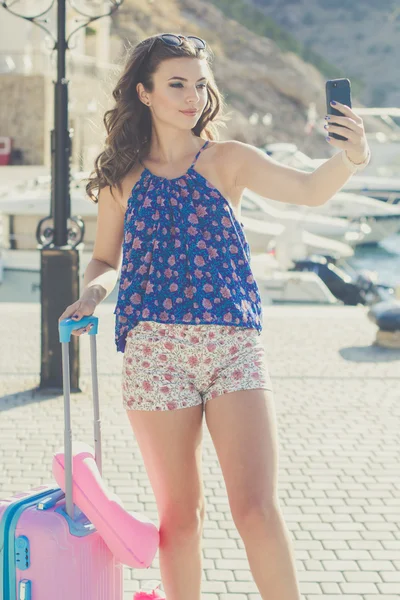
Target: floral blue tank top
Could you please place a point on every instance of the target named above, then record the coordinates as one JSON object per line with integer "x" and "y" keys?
{"x": 185, "y": 257}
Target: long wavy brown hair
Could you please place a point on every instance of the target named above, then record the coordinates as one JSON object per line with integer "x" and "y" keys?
{"x": 129, "y": 124}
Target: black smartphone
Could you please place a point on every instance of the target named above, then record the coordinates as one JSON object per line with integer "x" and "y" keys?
{"x": 340, "y": 91}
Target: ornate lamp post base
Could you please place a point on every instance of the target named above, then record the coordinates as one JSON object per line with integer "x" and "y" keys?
{"x": 59, "y": 287}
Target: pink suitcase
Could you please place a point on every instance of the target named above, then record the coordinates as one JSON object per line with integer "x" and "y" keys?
{"x": 44, "y": 553}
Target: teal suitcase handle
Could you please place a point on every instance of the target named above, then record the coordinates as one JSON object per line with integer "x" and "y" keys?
{"x": 66, "y": 326}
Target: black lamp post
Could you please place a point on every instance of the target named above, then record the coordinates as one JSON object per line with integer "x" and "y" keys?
{"x": 60, "y": 236}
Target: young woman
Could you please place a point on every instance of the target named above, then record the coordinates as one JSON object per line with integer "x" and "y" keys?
{"x": 189, "y": 315}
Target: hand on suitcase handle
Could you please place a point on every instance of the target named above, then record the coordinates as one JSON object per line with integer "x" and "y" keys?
{"x": 66, "y": 326}
{"x": 84, "y": 307}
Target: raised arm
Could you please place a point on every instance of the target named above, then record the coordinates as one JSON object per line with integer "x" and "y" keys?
{"x": 258, "y": 172}
{"x": 265, "y": 176}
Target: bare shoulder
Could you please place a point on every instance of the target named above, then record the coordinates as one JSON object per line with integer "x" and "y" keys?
{"x": 224, "y": 152}
{"x": 254, "y": 169}
{"x": 233, "y": 153}
{"x": 222, "y": 162}
{"x": 229, "y": 156}
{"x": 229, "y": 149}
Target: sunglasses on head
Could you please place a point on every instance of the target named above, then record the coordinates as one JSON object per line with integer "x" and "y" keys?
{"x": 176, "y": 40}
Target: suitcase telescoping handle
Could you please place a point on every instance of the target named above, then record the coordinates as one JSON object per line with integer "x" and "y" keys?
{"x": 65, "y": 329}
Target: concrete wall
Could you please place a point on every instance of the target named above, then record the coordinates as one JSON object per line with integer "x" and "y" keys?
{"x": 27, "y": 114}
{"x": 23, "y": 109}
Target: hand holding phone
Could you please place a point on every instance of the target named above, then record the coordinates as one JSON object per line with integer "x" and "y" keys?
{"x": 340, "y": 91}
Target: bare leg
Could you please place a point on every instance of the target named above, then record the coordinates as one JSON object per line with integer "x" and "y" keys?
{"x": 181, "y": 563}
{"x": 170, "y": 444}
{"x": 269, "y": 552}
{"x": 243, "y": 427}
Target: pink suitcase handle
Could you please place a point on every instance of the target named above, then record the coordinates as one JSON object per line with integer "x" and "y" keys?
{"x": 67, "y": 407}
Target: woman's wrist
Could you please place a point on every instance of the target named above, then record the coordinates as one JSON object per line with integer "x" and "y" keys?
{"x": 95, "y": 293}
{"x": 354, "y": 167}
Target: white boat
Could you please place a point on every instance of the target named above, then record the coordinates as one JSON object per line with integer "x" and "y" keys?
{"x": 260, "y": 234}
{"x": 15, "y": 175}
{"x": 382, "y": 218}
{"x": 281, "y": 286}
{"x": 24, "y": 206}
{"x": 289, "y": 154}
{"x": 386, "y": 189}
{"x": 294, "y": 287}
{"x": 341, "y": 230}
{"x": 35, "y": 202}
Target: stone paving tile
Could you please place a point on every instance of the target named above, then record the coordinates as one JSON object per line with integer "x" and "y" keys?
{"x": 337, "y": 405}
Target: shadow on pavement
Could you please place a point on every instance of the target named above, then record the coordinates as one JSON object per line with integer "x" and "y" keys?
{"x": 373, "y": 354}
{"x": 31, "y": 396}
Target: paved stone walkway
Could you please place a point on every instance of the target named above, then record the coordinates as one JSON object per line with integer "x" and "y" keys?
{"x": 338, "y": 407}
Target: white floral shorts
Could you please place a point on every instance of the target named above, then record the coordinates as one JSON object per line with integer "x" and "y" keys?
{"x": 171, "y": 366}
